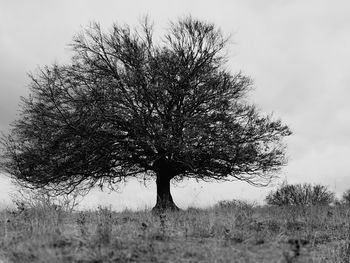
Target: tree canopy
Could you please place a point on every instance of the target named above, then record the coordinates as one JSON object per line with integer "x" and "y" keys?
{"x": 129, "y": 106}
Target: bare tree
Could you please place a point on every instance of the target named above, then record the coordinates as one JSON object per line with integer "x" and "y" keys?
{"x": 129, "y": 107}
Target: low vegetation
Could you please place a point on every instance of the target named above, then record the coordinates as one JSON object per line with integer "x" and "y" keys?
{"x": 346, "y": 197}
{"x": 231, "y": 231}
{"x": 301, "y": 195}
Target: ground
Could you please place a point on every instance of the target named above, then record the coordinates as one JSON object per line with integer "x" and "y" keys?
{"x": 229, "y": 232}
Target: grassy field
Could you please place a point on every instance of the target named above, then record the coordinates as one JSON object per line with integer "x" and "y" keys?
{"x": 230, "y": 232}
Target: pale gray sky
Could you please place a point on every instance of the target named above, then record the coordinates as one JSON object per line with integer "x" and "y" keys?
{"x": 297, "y": 52}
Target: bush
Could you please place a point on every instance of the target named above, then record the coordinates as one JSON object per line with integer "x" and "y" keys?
{"x": 235, "y": 204}
{"x": 300, "y": 194}
{"x": 346, "y": 197}
{"x": 25, "y": 198}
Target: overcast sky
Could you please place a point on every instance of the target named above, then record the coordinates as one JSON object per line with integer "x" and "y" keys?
{"x": 297, "y": 52}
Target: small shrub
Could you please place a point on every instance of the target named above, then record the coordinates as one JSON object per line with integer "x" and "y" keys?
{"x": 25, "y": 198}
{"x": 300, "y": 194}
{"x": 346, "y": 197}
{"x": 236, "y": 205}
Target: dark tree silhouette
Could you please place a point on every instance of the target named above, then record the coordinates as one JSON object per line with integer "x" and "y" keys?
{"x": 128, "y": 107}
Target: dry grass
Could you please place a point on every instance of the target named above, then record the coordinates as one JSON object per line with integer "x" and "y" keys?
{"x": 230, "y": 232}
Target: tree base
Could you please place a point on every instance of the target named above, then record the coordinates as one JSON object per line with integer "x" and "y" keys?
{"x": 165, "y": 207}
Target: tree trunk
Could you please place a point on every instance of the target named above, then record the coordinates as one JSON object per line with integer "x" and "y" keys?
{"x": 164, "y": 198}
